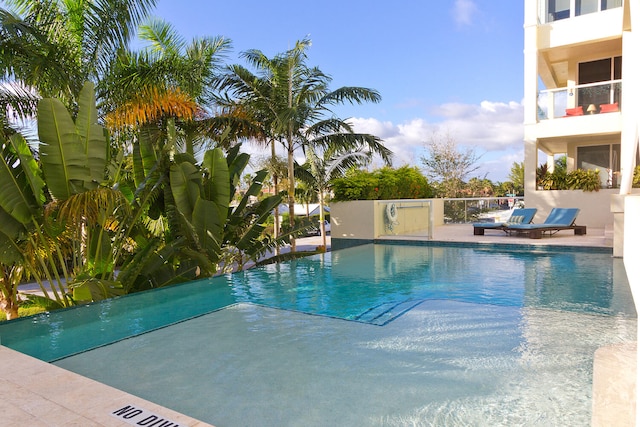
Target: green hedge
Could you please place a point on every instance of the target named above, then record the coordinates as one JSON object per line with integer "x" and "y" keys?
{"x": 382, "y": 184}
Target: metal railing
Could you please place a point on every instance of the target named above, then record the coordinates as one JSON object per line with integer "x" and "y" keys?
{"x": 592, "y": 98}
{"x": 479, "y": 209}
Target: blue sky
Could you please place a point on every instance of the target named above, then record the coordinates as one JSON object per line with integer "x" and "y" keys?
{"x": 451, "y": 66}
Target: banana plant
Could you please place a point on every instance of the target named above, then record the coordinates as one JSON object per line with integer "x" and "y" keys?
{"x": 54, "y": 210}
{"x": 228, "y": 235}
{"x": 62, "y": 223}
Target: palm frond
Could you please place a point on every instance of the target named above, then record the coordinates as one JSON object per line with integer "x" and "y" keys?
{"x": 151, "y": 105}
{"x": 162, "y": 36}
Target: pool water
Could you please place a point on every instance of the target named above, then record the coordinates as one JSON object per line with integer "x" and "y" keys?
{"x": 372, "y": 335}
{"x": 376, "y": 283}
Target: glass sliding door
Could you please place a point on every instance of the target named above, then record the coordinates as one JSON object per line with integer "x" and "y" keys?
{"x": 603, "y": 158}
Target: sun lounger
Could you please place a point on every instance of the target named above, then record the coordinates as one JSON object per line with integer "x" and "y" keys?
{"x": 558, "y": 219}
{"x": 518, "y": 216}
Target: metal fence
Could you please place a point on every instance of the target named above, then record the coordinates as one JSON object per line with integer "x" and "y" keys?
{"x": 479, "y": 209}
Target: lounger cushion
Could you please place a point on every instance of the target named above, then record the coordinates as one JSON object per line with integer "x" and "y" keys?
{"x": 516, "y": 219}
{"x": 534, "y": 226}
{"x": 558, "y": 218}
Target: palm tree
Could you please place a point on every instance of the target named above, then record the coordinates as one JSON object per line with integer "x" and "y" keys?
{"x": 168, "y": 78}
{"x": 320, "y": 169}
{"x": 295, "y": 102}
{"x": 53, "y": 47}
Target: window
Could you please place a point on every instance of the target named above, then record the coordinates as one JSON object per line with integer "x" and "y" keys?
{"x": 558, "y": 9}
{"x": 586, "y": 6}
{"x": 610, "y": 4}
{"x": 604, "y": 158}
{"x": 602, "y": 70}
{"x": 563, "y": 9}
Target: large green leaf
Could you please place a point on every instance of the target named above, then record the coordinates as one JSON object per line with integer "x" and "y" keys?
{"x": 236, "y": 166}
{"x": 209, "y": 226}
{"x": 248, "y": 242}
{"x": 62, "y": 153}
{"x": 216, "y": 187}
{"x": 16, "y": 194}
{"x": 254, "y": 189}
{"x": 9, "y": 252}
{"x": 92, "y": 135}
{"x": 30, "y": 167}
{"x": 10, "y": 226}
{"x": 10, "y": 230}
{"x": 145, "y": 157}
{"x": 95, "y": 290}
{"x": 186, "y": 182}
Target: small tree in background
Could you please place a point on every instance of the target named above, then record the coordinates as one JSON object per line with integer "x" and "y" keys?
{"x": 477, "y": 187}
{"x": 516, "y": 177}
{"x": 448, "y": 165}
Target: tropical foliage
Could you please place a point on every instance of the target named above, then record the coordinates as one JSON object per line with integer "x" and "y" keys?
{"x": 293, "y": 102}
{"x": 516, "y": 178}
{"x": 68, "y": 224}
{"x": 383, "y": 184}
{"x": 131, "y": 182}
{"x": 560, "y": 179}
{"x": 52, "y": 208}
{"x": 51, "y": 48}
{"x": 320, "y": 169}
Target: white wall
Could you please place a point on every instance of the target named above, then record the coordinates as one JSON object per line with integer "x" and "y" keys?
{"x": 631, "y": 264}
{"x": 595, "y": 207}
{"x": 365, "y": 219}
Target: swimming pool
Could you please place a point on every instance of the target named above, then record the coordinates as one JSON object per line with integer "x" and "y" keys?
{"x": 435, "y": 335}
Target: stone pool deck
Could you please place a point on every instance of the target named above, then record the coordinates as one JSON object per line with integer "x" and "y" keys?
{"x": 34, "y": 393}
{"x": 37, "y": 394}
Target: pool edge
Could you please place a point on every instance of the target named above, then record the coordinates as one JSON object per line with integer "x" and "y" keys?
{"x": 38, "y": 393}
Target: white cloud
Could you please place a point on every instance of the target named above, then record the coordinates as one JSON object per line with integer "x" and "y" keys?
{"x": 490, "y": 126}
{"x": 493, "y": 129}
{"x": 464, "y": 11}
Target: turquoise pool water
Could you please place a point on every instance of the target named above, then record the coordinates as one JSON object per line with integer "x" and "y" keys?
{"x": 369, "y": 283}
{"x": 372, "y": 335}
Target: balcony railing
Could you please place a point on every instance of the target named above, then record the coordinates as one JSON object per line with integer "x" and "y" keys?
{"x": 592, "y": 98}
{"x": 555, "y": 10}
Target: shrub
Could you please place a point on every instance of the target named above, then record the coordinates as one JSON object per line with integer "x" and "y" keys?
{"x": 559, "y": 179}
{"x": 583, "y": 179}
{"x": 383, "y": 184}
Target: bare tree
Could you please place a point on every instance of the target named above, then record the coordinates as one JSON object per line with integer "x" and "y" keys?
{"x": 447, "y": 164}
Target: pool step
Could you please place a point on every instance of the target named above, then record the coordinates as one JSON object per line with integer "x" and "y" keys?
{"x": 386, "y": 312}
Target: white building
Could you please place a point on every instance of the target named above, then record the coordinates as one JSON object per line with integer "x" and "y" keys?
{"x": 581, "y": 99}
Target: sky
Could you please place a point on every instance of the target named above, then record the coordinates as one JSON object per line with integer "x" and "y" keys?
{"x": 442, "y": 67}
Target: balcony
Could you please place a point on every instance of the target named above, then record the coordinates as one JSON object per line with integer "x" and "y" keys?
{"x": 556, "y": 10}
{"x": 587, "y": 99}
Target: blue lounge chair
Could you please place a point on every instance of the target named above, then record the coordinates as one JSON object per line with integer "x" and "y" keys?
{"x": 518, "y": 216}
{"x": 558, "y": 219}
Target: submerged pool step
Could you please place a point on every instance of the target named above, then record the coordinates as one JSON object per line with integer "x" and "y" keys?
{"x": 386, "y": 312}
